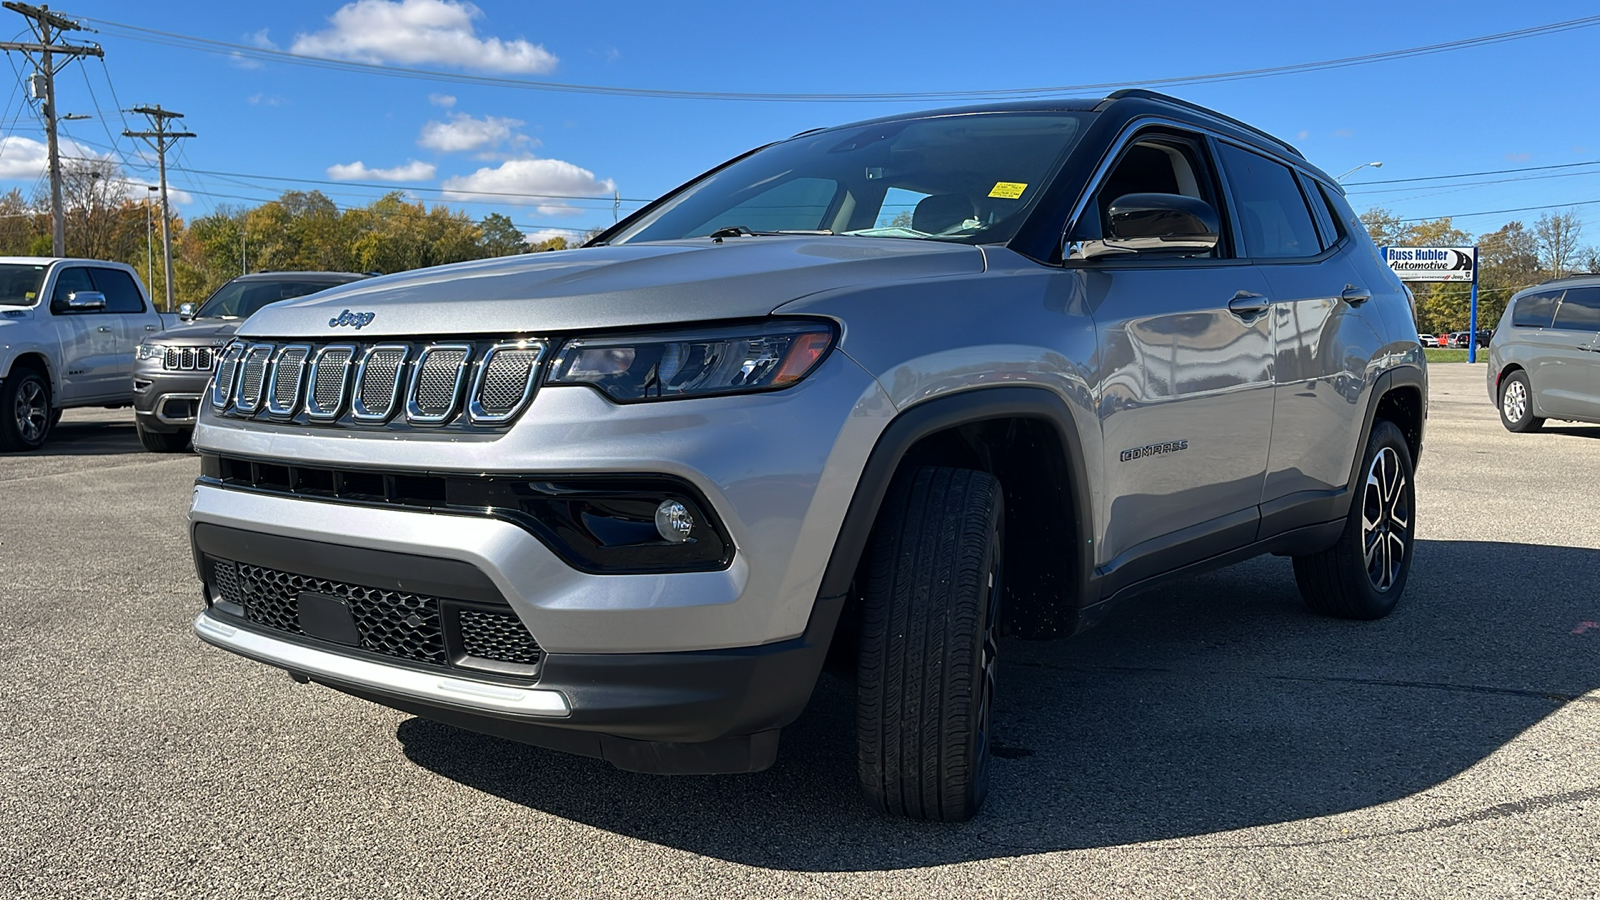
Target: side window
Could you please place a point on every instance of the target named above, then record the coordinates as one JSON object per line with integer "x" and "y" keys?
{"x": 1150, "y": 165}
{"x": 1326, "y": 224}
{"x": 69, "y": 281}
{"x": 1272, "y": 211}
{"x": 122, "y": 295}
{"x": 798, "y": 205}
{"x": 1535, "y": 310}
{"x": 1579, "y": 310}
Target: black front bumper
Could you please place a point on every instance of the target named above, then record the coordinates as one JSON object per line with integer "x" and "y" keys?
{"x": 700, "y": 712}
{"x": 168, "y": 402}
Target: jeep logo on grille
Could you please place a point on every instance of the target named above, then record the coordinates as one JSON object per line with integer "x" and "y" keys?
{"x": 357, "y": 321}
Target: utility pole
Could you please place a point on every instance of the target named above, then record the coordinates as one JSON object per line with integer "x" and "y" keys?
{"x": 47, "y": 26}
{"x": 161, "y": 140}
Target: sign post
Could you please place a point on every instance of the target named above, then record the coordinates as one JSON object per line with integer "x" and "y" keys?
{"x": 1452, "y": 265}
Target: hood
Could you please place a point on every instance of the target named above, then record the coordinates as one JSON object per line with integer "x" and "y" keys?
{"x": 199, "y": 333}
{"x": 609, "y": 287}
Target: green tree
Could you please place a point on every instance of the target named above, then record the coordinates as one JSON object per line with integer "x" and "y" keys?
{"x": 501, "y": 238}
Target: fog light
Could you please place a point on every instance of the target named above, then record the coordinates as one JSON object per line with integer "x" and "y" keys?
{"x": 673, "y": 521}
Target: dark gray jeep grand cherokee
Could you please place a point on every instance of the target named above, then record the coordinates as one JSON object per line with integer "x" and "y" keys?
{"x": 878, "y": 393}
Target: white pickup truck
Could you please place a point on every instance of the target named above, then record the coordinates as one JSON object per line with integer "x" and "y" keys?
{"x": 69, "y": 329}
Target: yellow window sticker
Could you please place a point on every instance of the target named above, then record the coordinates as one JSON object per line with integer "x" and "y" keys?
{"x": 1007, "y": 190}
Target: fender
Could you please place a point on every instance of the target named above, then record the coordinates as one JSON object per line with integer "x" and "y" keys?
{"x": 10, "y": 352}
{"x": 939, "y": 414}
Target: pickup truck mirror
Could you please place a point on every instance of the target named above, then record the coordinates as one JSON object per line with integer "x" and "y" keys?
{"x": 185, "y": 312}
{"x": 1153, "y": 223}
{"x": 82, "y": 300}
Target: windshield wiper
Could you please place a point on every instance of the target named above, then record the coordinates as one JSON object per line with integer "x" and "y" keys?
{"x": 729, "y": 231}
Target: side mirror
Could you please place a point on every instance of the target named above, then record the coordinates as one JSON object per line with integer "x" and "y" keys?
{"x": 83, "y": 300}
{"x": 185, "y": 312}
{"x": 1153, "y": 223}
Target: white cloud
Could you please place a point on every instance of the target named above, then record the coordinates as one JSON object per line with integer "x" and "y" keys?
{"x": 267, "y": 100}
{"x": 21, "y": 157}
{"x": 444, "y": 100}
{"x": 138, "y": 191}
{"x": 420, "y": 31}
{"x": 463, "y": 132}
{"x": 541, "y": 183}
{"x": 358, "y": 171}
{"x": 545, "y": 234}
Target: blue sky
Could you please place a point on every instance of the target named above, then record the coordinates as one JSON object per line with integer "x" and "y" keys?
{"x": 1519, "y": 103}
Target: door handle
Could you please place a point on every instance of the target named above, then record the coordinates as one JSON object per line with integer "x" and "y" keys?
{"x": 151, "y": 328}
{"x": 1355, "y": 296}
{"x": 1247, "y": 305}
{"x": 105, "y": 329}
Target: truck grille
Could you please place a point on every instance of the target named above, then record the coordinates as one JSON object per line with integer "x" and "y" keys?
{"x": 189, "y": 359}
{"x": 464, "y": 384}
{"x": 398, "y": 624}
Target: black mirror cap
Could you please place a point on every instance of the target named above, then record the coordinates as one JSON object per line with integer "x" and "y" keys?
{"x": 1163, "y": 218}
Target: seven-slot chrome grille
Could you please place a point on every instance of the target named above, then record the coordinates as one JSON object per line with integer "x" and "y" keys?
{"x": 189, "y": 359}
{"x": 467, "y": 383}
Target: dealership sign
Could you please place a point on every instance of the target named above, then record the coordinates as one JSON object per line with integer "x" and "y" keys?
{"x": 1433, "y": 263}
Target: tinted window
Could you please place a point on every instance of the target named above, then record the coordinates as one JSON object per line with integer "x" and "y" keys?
{"x": 1319, "y": 209}
{"x": 1535, "y": 310}
{"x": 1272, "y": 211}
{"x": 1579, "y": 309}
{"x": 122, "y": 295}
{"x": 19, "y": 284}
{"x": 241, "y": 299}
{"x": 797, "y": 205}
{"x": 69, "y": 281}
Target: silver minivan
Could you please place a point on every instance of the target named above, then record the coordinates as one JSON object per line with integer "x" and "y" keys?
{"x": 1544, "y": 360}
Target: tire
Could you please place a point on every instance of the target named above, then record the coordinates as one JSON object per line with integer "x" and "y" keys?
{"x": 1363, "y": 574}
{"x": 1516, "y": 404}
{"x": 926, "y": 666}
{"x": 25, "y": 414}
{"x": 159, "y": 442}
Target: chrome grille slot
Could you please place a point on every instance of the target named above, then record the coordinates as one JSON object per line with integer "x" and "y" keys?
{"x": 253, "y": 379}
{"x": 378, "y": 382}
{"x": 171, "y": 359}
{"x": 204, "y": 358}
{"x": 504, "y": 381}
{"x": 330, "y": 377}
{"x": 227, "y": 371}
{"x": 288, "y": 375}
{"x": 188, "y": 359}
{"x": 437, "y": 378}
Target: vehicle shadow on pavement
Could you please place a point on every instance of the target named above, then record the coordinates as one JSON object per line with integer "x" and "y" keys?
{"x": 1213, "y": 704}
{"x": 108, "y": 433}
{"x": 1573, "y": 430}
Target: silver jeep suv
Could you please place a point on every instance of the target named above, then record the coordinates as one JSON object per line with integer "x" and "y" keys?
{"x": 876, "y": 394}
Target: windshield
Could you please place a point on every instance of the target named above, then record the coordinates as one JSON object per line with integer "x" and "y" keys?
{"x": 19, "y": 284}
{"x": 968, "y": 178}
{"x": 241, "y": 299}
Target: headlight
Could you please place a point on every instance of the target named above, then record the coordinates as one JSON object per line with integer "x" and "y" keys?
{"x": 150, "y": 351}
{"x": 735, "y": 359}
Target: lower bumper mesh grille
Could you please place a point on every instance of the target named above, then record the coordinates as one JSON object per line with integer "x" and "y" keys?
{"x": 398, "y": 624}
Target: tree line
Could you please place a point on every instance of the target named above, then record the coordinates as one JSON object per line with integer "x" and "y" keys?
{"x": 1510, "y": 258}
{"x": 299, "y": 231}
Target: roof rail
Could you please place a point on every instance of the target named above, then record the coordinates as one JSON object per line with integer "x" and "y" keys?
{"x": 1142, "y": 94}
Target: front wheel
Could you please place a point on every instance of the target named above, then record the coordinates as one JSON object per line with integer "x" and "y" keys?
{"x": 1516, "y": 404}
{"x": 25, "y": 414}
{"x": 1361, "y": 576}
{"x": 929, "y": 629}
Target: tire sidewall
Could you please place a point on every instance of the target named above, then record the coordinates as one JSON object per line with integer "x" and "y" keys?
{"x": 12, "y": 436}
{"x": 1380, "y": 603}
{"x": 1526, "y": 422}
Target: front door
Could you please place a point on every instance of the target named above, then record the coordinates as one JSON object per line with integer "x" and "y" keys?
{"x": 91, "y": 342}
{"x": 1184, "y": 388}
{"x": 1568, "y": 374}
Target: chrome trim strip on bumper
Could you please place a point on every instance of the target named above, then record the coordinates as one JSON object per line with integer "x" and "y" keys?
{"x": 499, "y": 699}
{"x": 161, "y": 408}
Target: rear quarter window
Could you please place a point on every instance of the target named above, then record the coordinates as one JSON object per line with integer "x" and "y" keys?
{"x": 1535, "y": 310}
{"x": 1579, "y": 310}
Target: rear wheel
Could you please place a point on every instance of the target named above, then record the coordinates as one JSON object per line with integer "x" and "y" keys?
{"x": 25, "y": 414}
{"x": 926, "y": 670}
{"x": 1361, "y": 576}
{"x": 1516, "y": 404}
{"x": 159, "y": 442}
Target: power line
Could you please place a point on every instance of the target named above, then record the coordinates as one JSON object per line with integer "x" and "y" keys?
{"x": 1497, "y": 212}
{"x": 1592, "y": 162}
{"x": 190, "y": 42}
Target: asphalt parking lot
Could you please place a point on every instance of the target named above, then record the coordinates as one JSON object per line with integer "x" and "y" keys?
{"x": 1209, "y": 740}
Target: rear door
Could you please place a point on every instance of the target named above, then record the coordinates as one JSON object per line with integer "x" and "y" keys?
{"x": 130, "y": 314}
